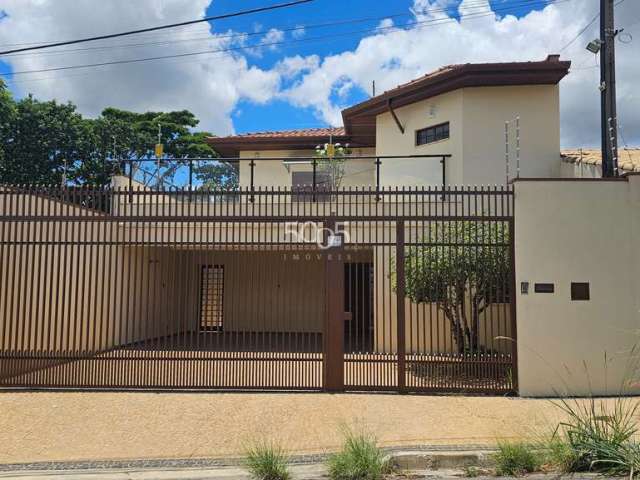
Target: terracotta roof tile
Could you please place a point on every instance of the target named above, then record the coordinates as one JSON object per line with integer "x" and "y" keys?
{"x": 307, "y": 132}
{"x": 628, "y": 158}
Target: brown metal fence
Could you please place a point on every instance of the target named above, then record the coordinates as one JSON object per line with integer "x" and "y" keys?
{"x": 362, "y": 289}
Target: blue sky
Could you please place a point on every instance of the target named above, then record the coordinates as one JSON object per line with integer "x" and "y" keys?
{"x": 280, "y": 115}
{"x": 277, "y": 114}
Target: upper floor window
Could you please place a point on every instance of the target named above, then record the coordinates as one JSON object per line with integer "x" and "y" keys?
{"x": 432, "y": 134}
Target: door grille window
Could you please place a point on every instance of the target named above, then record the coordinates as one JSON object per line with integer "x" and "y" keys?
{"x": 211, "y": 297}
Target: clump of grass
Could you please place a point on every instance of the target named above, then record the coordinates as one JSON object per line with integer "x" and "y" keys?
{"x": 471, "y": 472}
{"x": 597, "y": 437}
{"x": 559, "y": 455}
{"x": 267, "y": 461}
{"x": 359, "y": 459}
{"x": 517, "y": 458}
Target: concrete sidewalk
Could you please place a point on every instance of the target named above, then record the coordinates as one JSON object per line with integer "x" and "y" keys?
{"x": 71, "y": 426}
{"x": 306, "y": 472}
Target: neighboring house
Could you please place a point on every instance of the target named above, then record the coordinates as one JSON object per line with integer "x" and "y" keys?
{"x": 458, "y": 110}
{"x": 587, "y": 163}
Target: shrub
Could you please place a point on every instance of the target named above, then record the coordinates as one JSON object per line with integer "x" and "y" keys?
{"x": 359, "y": 459}
{"x": 517, "y": 458}
{"x": 597, "y": 437}
{"x": 267, "y": 461}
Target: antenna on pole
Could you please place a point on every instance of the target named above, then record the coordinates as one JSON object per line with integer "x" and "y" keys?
{"x": 64, "y": 173}
{"x": 518, "y": 146}
{"x": 506, "y": 149}
{"x": 373, "y": 88}
{"x": 159, "y": 152}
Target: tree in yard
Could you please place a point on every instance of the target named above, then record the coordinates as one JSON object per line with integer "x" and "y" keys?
{"x": 130, "y": 137}
{"x": 332, "y": 165}
{"x": 51, "y": 143}
{"x": 42, "y": 141}
{"x": 463, "y": 267}
{"x": 7, "y": 114}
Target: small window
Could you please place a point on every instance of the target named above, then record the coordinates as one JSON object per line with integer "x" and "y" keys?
{"x": 302, "y": 186}
{"x": 432, "y": 134}
{"x": 211, "y": 297}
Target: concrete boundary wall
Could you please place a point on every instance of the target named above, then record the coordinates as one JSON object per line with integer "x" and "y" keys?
{"x": 585, "y": 231}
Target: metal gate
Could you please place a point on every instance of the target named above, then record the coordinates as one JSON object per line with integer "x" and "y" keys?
{"x": 402, "y": 290}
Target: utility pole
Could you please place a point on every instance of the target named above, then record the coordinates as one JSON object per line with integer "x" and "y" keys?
{"x": 608, "y": 120}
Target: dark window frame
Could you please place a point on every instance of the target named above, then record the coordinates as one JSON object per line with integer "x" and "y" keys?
{"x": 301, "y": 192}
{"x": 433, "y": 133}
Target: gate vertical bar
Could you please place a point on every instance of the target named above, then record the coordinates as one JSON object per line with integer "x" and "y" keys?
{"x": 400, "y": 304}
{"x": 333, "y": 359}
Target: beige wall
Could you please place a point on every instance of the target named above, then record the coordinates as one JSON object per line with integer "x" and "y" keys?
{"x": 477, "y": 141}
{"x": 421, "y": 171}
{"x": 263, "y": 291}
{"x": 485, "y": 111}
{"x": 577, "y": 231}
{"x": 580, "y": 170}
{"x": 273, "y": 173}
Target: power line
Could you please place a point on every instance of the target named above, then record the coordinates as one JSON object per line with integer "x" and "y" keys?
{"x": 161, "y": 27}
{"x": 418, "y": 24}
{"x": 448, "y": 9}
{"x": 584, "y": 29}
{"x": 445, "y": 9}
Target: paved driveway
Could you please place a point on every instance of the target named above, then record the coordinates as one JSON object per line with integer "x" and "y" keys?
{"x": 62, "y": 426}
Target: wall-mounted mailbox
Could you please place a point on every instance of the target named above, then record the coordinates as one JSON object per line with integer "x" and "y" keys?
{"x": 580, "y": 291}
{"x": 544, "y": 288}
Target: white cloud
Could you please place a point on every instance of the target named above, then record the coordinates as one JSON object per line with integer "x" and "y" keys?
{"x": 273, "y": 36}
{"x": 397, "y": 56}
{"x": 290, "y": 67}
{"x": 299, "y": 32}
{"x": 209, "y": 85}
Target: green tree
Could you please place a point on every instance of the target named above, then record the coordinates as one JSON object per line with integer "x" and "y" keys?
{"x": 332, "y": 165}
{"x": 7, "y": 114}
{"x": 43, "y": 140}
{"x": 463, "y": 267}
{"x": 217, "y": 175}
{"x": 130, "y": 137}
{"x": 51, "y": 143}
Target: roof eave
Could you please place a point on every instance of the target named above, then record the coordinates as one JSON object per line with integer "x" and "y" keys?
{"x": 232, "y": 146}
{"x": 462, "y": 76}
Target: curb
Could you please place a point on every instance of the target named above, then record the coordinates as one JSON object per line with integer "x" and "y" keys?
{"x": 407, "y": 454}
{"x": 442, "y": 460}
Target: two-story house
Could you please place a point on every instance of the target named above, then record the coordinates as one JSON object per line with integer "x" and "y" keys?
{"x": 459, "y": 110}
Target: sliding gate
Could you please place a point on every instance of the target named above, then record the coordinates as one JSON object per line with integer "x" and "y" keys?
{"x": 359, "y": 290}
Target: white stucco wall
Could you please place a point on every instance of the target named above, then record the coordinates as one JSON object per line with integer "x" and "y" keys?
{"x": 577, "y": 231}
{"x": 421, "y": 171}
{"x": 477, "y": 119}
{"x": 486, "y": 109}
